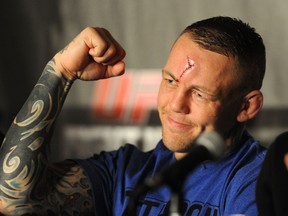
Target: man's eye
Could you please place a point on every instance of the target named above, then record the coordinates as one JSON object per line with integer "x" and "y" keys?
{"x": 200, "y": 96}
{"x": 170, "y": 81}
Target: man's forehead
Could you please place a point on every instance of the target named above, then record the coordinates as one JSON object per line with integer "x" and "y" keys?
{"x": 185, "y": 68}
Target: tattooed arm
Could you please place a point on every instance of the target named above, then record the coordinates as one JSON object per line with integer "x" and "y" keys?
{"x": 29, "y": 184}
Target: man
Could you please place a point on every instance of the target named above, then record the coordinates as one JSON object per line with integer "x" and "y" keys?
{"x": 272, "y": 187}
{"x": 211, "y": 82}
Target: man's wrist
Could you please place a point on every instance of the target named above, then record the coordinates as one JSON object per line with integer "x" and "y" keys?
{"x": 60, "y": 69}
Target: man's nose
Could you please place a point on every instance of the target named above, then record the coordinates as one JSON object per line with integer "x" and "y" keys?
{"x": 180, "y": 102}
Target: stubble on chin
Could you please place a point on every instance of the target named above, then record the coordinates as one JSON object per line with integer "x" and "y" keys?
{"x": 178, "y": 142}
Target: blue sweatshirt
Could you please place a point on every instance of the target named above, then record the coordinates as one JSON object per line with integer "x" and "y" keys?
{"x": 218, "y": 188}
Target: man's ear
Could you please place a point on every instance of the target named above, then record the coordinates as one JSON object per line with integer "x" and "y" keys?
{"x": 252, "y": 104}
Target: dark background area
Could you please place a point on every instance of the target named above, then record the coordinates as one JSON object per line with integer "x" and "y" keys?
{"x": 32, "y": 31}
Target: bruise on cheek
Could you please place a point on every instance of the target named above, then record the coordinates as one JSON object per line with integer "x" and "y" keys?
{"x": 188, "y": 67}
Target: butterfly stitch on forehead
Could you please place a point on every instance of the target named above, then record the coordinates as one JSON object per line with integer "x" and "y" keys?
{"x": 190, "y": 65}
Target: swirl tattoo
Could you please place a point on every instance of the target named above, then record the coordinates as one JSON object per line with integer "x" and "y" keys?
{"x": 28, "y": 183}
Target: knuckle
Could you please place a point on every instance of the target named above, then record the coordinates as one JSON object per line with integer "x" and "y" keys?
{"x": 111, "y": 51}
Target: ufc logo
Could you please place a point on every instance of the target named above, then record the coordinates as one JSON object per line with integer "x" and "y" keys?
{"x": 128, "y": 98}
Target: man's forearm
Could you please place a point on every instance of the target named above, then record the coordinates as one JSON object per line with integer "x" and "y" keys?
{"x": 23, "y": 157}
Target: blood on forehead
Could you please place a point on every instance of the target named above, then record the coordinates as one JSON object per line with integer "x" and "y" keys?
{"x": 190, "y": 64}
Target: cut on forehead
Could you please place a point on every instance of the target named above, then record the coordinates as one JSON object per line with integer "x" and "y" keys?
{"x": 238, "y": 72}
{"x": 232, "y": 37}
{"x": 188, "y": 55}
{"x": 190, "y": 65}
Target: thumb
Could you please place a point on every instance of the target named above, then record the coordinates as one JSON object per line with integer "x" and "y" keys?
{"x": 116, "y": 69}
